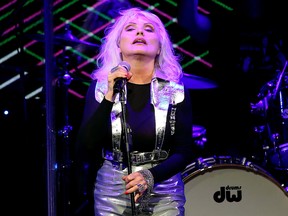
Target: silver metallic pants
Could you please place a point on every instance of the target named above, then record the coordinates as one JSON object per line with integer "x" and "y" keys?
{"x": 167, "y": 197}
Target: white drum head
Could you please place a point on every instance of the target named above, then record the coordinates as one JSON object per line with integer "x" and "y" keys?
{"x": 234, "y": 190}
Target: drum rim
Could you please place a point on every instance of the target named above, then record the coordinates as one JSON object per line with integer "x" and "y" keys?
{"x": 255, "y": 169}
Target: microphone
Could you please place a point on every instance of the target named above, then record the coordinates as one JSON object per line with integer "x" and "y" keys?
{"x": 120, "y": 82}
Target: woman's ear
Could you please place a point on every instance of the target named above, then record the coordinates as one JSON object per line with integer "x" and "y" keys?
{"x": 159, "y": 50}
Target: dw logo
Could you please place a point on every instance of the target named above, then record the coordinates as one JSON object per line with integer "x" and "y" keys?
{"x": 226, "y": 193}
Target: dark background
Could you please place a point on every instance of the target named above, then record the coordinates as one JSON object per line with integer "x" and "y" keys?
{"x": 212, "y": 39}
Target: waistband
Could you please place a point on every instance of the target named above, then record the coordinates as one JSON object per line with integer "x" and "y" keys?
{"x": 137, "y": 158}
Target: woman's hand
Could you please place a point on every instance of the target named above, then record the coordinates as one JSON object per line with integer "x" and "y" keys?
{"x": 135, "y": 182}
{"x": 118, "y": 72}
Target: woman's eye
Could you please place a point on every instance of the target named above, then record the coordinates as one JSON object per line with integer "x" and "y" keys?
{"x": 130, "y": 29}
{"x": 149, "y": 30}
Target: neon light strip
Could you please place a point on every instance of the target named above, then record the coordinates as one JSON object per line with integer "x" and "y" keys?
{"x": 15, "y": 78}
{"x": 75, "y": 93}
{"x": 92, "y": 9}
{"x": 72, "y": 19}
{"x": 10, "y": 55}
{"x": 86, "y": 74}
{"x": 16, "y": 52}
{"x": 223, "y": 5}
{"x": 190, "y": 54}
{"x": 195, "y": 59}
{"x": 88, "y": 33}
{"x": 34, "y": 41}
{"x": 56, "y": 28}
{"x": 35, "y": 92}
{"x": 88, "y": 9}
{"x": 29, "y": 18}
{"x": 64, "y": 23}
{"x": 170, "y": 22}
{"x": 194, "y": 56}
{"x": 203, "y": 10}
{"x": 176, "y": 46}
{"x": 85, "y": 63}
{"x": 97, "y": 30}
{"x": 75, "y": 17}
{"x": 11, "y": 80}
{"x": 89, "y": 59}
{"x": 78, "y": 15}
{"x": 155, "y": 9}
{"x": 12, "y": 11}
{"x": 198, "y": 8}
{"x": 7, "y": 5}
{"x": 172, "y": 2}
{"x": 39, "y": 90}
{"x": 184, "y": 40}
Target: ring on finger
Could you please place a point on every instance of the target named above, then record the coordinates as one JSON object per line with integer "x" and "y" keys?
{"x": 141, "y": 188}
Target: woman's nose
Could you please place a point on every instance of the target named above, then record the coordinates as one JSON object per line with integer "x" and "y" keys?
{"x": 139, "y": 32}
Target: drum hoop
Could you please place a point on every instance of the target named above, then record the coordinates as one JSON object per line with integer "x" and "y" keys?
{"x": 255, "y": 169}
{"x": 284, "y": 145}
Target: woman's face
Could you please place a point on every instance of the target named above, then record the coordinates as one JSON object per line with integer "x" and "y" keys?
{"x": 139, "y": 37}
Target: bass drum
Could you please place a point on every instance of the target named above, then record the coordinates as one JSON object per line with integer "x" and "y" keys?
{"x": 228, "y": 186}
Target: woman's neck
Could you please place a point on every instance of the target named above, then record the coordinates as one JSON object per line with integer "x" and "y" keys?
{"x": 142, "y": 72}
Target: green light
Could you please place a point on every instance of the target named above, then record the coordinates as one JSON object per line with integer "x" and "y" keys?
{"x": 195, "y": 59}
{"x": 223, "y": 5}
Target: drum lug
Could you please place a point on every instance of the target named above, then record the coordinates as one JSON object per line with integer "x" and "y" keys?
{"x": 201, "y": 164}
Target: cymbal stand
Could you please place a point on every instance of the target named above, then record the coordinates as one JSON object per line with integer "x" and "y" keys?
{"x": 279, "y": 81}
{"x": 64, "y": 164}
{"x": 283, "y": 106}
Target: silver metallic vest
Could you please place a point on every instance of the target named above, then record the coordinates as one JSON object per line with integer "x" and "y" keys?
{"x": 163, "y": 93}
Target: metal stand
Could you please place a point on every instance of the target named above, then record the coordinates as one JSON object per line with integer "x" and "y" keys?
{"x": 64, "y": 160}
{"x": 280, "y": 136}
{"x": 51, "y": 194}
{"x": 126, "y": 131}
{"x": 279, "y": 81}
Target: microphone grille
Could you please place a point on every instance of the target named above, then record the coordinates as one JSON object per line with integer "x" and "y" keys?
{"x": 126, "y": 65}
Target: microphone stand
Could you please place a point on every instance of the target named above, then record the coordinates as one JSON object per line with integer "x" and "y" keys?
{"x": 126, "y": 131}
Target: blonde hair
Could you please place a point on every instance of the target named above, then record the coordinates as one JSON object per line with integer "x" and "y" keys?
{"x": 109, "y": 56}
